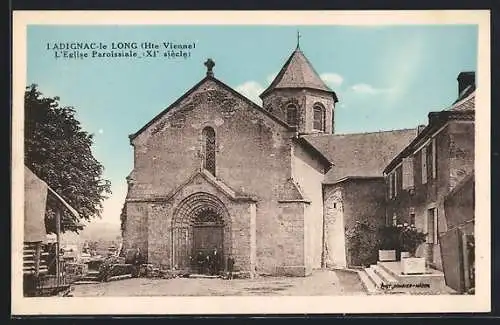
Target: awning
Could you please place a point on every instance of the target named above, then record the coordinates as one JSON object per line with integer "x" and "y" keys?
{"x": 35, "y": 200}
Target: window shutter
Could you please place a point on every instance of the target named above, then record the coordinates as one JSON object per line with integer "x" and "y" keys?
{"x": 390, "y": 185}
{"x": 434, "y": 167}
{"x": 436, "y": 228}
{"x": 407, "y": 173}
{"x": 396, "y": 182}
{"x": 424, "y": 165}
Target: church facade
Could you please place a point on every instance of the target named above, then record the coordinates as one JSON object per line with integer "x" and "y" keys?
{"x": 273, "y": 187}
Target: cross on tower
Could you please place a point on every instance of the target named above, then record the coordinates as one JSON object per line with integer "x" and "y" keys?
{"x": 298, "y": 39}
{"x": 210, "y": 65}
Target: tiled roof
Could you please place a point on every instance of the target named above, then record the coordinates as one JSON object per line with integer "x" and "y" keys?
{"x": 462, "y": 110}
{"x": 465, "y": 104}
{"x": 297, "y": 72}
{"x": 361, "y": 154}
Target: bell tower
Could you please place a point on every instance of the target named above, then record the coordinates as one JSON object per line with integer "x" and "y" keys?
{"x": 299, "y": 97}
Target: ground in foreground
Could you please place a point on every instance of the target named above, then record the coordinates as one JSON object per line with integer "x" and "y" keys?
{"x": 320, "y": 283}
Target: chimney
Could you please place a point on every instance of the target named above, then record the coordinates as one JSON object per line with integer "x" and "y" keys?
{"x": 466, "y": 79}
{"x": 420, "y": 128}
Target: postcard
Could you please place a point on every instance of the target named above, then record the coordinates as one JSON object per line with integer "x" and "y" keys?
{"x": 250, "y": 162}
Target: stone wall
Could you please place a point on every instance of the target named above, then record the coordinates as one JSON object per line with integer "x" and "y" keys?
{"x": 253, "y": 157}
{"x": 136, "y": 228}
{"x": 334, "y": 254}
{"x": 277, "y": 101}
{"x": 290, "y": 255}
{"x": 309, "y": 175}
{"x": 461, "y": 151}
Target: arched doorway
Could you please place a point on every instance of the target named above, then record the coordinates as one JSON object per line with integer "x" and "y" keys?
{"x": 201, "y": 224}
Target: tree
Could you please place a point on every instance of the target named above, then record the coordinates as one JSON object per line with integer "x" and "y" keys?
{"x": 58, "y": 151}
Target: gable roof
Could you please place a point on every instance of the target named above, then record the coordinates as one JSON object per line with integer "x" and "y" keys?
{"x": 466, "y": 103}
{"x": 360, "y": 154}
{"x": 190, "y": 91}
{"x": 461, "y": 110}
{"x": 297, "y": 72}
{"x": 314, "y": 152}
{"x": 212, "y": 180}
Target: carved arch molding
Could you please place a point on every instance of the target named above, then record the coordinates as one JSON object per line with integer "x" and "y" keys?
{"x": 204, "y": 211}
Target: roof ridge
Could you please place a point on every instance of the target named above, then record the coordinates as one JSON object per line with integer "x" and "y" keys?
{"x": 461, "y": 101}
{"x": 314, "y": 70}
{"x": 360, "y": 133}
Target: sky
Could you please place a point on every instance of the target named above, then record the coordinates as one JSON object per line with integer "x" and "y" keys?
{"x": 386, "y": 77}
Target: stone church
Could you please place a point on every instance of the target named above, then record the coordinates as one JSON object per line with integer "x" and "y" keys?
{"x": 273, "y": 187}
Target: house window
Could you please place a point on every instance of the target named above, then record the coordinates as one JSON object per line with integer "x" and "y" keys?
{"x": 432, "y": 226}
{"x": 433, "y": 158}
{"x": 334, "y": 205}
{"x": 319, "y": 117}
{"x": 423, "y": 154}
{"x": 394, "y": 219}
{"x": 209, "y": 143}
{"x": 291, "y": 114}
{"x": 407, "y": 173}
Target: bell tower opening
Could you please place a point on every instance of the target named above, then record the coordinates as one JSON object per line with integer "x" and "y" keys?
{"x": 298, "y": 82}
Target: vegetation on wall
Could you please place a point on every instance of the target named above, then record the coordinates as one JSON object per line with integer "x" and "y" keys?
{"x": 366, "y": 239}
{"x": 363, "y": 243}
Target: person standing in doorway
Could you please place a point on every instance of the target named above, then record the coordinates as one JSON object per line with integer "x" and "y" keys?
{"x": 208, "y": 264}
{"x": 215, "y": 262}
{"x": 137, "y": 263}
{"x": 230, "y": 267}
{"x": 200, "y": 260}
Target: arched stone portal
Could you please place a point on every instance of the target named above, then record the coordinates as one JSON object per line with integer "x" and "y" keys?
{"x": 201, "y": 222}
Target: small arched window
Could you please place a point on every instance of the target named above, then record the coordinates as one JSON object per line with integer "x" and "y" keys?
{"x": 319, "y": 117}
{"x": 291, "y": 114}
{"x": 209, "y": 144}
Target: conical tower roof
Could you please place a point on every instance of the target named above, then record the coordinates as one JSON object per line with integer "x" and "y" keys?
{"x": 297, "y": 72}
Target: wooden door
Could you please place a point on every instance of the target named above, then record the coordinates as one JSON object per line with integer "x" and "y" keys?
{"x": 206, "y": 238}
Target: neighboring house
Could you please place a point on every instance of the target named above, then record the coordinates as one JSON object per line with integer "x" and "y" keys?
{"x": 422, "y": 175}
{"x": 215, "y": 170}
{"x": 458, "y": 244}
{"x": 37, "y": 261}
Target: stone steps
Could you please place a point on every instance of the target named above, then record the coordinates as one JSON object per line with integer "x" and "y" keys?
{"x": 367, "y": 283}
{"x": 383, "y": 274}
{"x": 386, "y": 278}
{"x": 377, "y": 281}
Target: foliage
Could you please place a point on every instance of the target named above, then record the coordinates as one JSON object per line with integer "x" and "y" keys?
{"x": 58, "y": 151}
{"x": 388, "y": 237}
{"x": 363, "y": 242}
{"x": 401, "y": 237}
{"x": 410, "y": 238}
